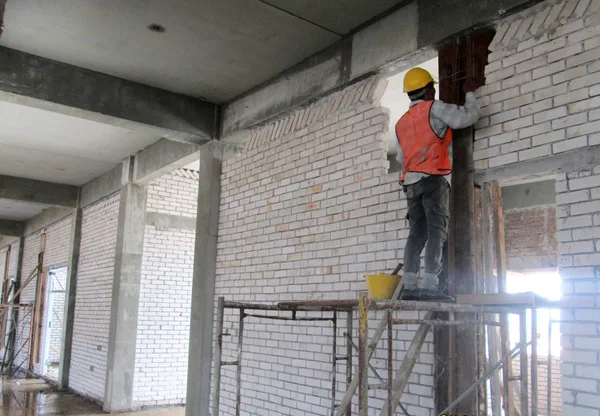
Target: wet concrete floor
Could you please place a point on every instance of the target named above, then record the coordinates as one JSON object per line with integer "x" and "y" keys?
{"x": 35, "y": 397}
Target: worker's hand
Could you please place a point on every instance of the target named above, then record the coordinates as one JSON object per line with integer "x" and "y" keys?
{"x": 470, "y": 85}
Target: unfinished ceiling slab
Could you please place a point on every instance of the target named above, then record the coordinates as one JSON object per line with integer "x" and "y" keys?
{"x": 208, "y": 49}
{"x": 52, "y": 147}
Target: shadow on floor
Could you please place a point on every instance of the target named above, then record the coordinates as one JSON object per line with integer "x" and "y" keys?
{"x": 35, "y": 397}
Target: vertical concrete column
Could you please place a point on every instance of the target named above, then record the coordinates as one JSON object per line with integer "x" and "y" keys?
{"x": 69, "y": 314}
{"x": 120, "y": 362}
{"x": 203, "y": 289}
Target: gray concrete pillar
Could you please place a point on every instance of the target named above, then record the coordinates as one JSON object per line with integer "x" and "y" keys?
{"x": 120, "y": 363}
{"x": 203, "y": 289}
{"x": 70, "y": 289}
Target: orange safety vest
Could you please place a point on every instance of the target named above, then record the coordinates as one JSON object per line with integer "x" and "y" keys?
{"x": 423, "y": 150}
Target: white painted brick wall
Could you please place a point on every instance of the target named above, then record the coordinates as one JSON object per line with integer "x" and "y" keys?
{"x": 175, "y": 193}
{"x": 578, "y": 198}
{"x": 304, "y": 216}
{"x": 165, "y": 295}
{"x": 93, "y": 301}
{"x": 541, "y": 98}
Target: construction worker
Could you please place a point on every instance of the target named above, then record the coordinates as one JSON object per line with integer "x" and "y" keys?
{"x": 424, "y": 149}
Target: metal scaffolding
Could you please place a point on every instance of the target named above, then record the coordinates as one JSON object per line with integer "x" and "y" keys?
{"x": 482, "y": 311}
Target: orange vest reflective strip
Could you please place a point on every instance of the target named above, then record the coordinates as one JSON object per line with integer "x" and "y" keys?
{"x": 423, "y": 150}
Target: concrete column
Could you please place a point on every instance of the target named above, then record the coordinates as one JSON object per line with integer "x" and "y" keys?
{"x": 120, "y": 363}
{"x": 203, "y": 289}
{"x": 69, "y": 314}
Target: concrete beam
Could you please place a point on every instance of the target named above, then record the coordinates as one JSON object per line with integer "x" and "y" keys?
{"x": 11, "y": 228}
{"x": 102, "y": 186}
{"x": 55, "y": 86}
{"x": 528, "y": 195}
{"x": 45, "y": 218}
{"x": 7, "y": 240}
{"x": 30, "y": 190}
{"x": 161, "y": 158}
{"x": 158, "y": 220}
{"x": 567, "y": 162}
{"x": 406, "y": 36}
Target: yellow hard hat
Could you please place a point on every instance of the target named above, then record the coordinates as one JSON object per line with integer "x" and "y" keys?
{"x": 417, "y": 78}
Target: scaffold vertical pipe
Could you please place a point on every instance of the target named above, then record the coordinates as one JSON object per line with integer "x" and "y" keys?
{"x": 238, "y": 398}
{"x": 334, "y": 363}
{"x": 390, "y": 323}
{"x": 349, "y": 318}
{"x": 363, "y": 334}
{"x": 524, "y": 370}
{"x": 534, "y": 363}
{"x": 218, "y": 355}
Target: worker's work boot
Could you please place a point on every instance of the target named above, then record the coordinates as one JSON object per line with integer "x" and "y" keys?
{"x": 428, "y": 283}
{"x": 410, "y": 290}
{"x": 435, "y": 294}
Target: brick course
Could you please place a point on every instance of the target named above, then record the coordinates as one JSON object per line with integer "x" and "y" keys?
{"x": 165, "y": 295}
{"x": 556, "y": 60}
{"x": 94, "y": 293}
{"x": 304, "y": 216}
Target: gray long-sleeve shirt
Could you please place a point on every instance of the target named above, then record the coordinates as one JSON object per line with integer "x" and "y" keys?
{"x": 441, "y": 117}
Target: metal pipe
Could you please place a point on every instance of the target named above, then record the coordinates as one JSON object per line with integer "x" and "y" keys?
{"x": 218, "y": 355}
{"x": 483, "y": 378}
{"x": 549, "y": 391}
{"x": 349, "y": 345}
{"x": 444, "y": 322}
{"x": 284, "y": 318}
{"x": 390, "y": 323}
{"x": 238, "y": 398}
{"x": 363, "y": 329}
{"x": 534, "y": 363}
{"x": 524, "y": 369}
{"x": 334, "y": 363}
{"x": 373, "y": 369}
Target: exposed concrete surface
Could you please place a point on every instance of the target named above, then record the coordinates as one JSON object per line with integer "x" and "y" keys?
{"x": 7, "y": 240}
{"x": 371, "y": 46}
{"x": 120, "y": 361}
{"x": 210, "y": 49}
{"x": 11, "y": 228}
{"x": 441, "y": 19}
{"x": 203, "y": 287}
{"x": 163, "y": 157}
{"x": 64, "y": 367}
{"x": 53, "y": 147}
{"x": 19, "y": 210}
{"x": 159, "y": 220}
{"x": 567, "y": 162}
{"x": 29, "y": 190}
{"x": 528, "y": 195}
{"x": 37, "y": 397}
{"x": 102, "y": 186}
{"x": 103, "y": 98}
{"x": 46, "y": 218}
{"x": 386, "y": 46}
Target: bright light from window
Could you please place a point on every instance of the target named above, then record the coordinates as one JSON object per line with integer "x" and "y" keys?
{"x": 546, "y": 284}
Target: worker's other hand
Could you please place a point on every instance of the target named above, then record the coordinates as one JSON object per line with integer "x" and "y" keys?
{"x": 470, "y": 85}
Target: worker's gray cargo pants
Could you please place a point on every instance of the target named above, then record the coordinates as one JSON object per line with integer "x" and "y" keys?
{"x": 428, "y": 216}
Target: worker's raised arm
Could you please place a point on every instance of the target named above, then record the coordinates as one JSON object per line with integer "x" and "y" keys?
{"x": 457, "y": 117}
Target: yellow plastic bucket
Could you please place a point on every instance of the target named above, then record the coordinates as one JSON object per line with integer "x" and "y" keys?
{"x": 381, "y": 285}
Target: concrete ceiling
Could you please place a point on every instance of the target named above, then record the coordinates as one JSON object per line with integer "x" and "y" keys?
{"x": 211, "y": 49}
{"x": 19, "y": 211}
{"x": 52, "y": 147}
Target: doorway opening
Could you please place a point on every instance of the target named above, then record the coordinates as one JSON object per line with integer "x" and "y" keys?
{"x": 53, "y": 322}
